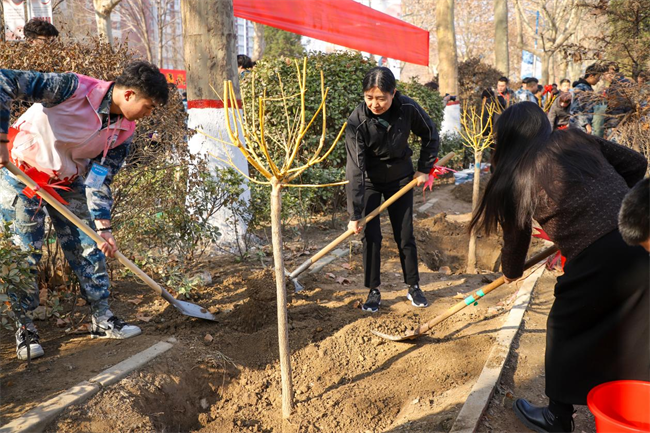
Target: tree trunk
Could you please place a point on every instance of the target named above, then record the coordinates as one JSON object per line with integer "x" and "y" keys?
{"x": 546, "y": 63}
{"x": 447, "y": 53}
{"x": 258, "y": 42}
{"x": 471, "y": 251}
{"x": 280, "y": 284}
{"x": 104, "y": 28}
{"x": 103, "y": 10}
{"x": 210, "y": 46}
{"x": 501, "y": 59}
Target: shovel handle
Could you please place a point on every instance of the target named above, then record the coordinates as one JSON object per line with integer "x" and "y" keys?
{"x": 480, "y": 293}
{"x": 409, "y": 186}
{"x": 81, "y": 224}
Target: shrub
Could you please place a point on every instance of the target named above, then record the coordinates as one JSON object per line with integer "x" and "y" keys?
{"x": 473, "y": 77}
{"x": 15, "y": 272}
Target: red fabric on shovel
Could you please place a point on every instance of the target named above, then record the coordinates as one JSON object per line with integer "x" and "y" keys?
{"x": 342, "y": 22}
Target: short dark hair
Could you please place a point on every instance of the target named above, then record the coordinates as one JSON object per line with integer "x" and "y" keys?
{"x": 243, "y": 61}
{"x": 633, "y": 218}
{"x": 565, "y": 80}
{"x": 380, "y": 77}
{"x": 503, "y": 80}
{"x": 432, "y": 85}
{"x": 35, "y": 28}
{"x": 147, "y": 78}
{"x": 613, "y": 67}
{"x": 593, "y": 69}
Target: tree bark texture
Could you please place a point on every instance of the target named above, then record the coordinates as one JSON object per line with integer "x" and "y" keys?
{"x": 210, "y": 46}
{"x": 258, "y": 42}
{"x": 280, "y": 284}
{"x": 103, "y": 10}
{"x": 501, "y": 58}
{"x": 471, "y": 251}
{"x": 447, "y": 53}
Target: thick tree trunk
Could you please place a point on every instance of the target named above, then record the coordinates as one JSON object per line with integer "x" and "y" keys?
{"x": 104, "y": 27}
{"x": 501, "y": 58}
{"x": 447, "y": 53}
{"x": 103, "y": 10}
{"x": 210, "y": 46}
{"x": 258, "y": 42}
{"x": 280, "y": 284}
{"x": 471, "y": 252}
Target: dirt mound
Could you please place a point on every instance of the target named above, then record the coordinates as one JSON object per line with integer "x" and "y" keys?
{"x": 442, "y": 242}
{"x": 465, "y": 190}
{"x": 259, "y": 310}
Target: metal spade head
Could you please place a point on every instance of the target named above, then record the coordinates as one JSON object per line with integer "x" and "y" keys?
{"x": 193, "y": 310}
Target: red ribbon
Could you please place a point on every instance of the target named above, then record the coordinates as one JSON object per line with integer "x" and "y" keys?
{"x": 435, "y": 173}
{"x": 555, "y": 260}
{"x": 42, "y": 181}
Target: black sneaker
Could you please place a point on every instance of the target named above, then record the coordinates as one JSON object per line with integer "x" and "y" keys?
{"x": 373, "y": 301}
{"x": 26, "y": 336}
{"x": 416, "y": 297}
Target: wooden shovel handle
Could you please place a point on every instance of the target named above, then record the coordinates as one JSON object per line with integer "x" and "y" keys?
{"x": 406, "y": 188}
{"x": 479, "y": 294}
{"x": 81, "y": 224}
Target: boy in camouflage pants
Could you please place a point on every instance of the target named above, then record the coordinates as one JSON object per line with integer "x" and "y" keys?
{"x": 71, "y": 141}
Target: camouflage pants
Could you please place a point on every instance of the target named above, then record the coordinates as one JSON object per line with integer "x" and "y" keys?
{"x": 27, "y": 220}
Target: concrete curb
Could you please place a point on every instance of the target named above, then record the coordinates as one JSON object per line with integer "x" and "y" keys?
{"x": 36, "y": 419}
{"x": 319, "y": 265}
{"x": 479, "y": 397}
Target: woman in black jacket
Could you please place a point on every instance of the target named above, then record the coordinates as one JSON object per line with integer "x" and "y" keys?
{"x": 379, "y": 164}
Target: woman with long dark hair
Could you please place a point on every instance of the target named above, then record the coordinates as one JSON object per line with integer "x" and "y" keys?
{"x": 572, "y": 184}
{"x": 379, "y": 164}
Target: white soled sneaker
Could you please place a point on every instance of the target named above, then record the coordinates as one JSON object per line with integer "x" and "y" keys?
{"x": 27, "y": 335}
{"x": 110, "y": 326}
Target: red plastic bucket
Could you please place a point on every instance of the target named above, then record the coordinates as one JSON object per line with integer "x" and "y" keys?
{"x": 621, "y": 406}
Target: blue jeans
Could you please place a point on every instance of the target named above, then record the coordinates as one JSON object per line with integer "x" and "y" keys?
{"x": 27, "y": 220}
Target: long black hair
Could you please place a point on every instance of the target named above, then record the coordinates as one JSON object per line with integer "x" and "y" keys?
{"x": 380, "y": 77}
{"x": 530, "y": 157}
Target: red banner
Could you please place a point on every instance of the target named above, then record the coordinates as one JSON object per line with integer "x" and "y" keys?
{"x": 175, "y": 76}
{"x": 342, "y": 22}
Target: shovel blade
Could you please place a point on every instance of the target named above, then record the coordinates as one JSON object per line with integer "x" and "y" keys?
{"x": 193, "y": 310}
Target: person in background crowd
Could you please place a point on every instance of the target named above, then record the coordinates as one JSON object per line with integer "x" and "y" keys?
{"x": 39, "y": 32}
{"x": 378, "y": 165}
{"x": 75, "y": 137}
{"x": 584, "y": 100}
{"x": 538, "y": 93}
{"x": 565, "y": 85}
{"x": 617, "y": 97}
{"x": 559, "y": 114}
{"x": 527, "y": 92}
{"x": 643, "y": 78}
{"x": 573, "y": 185}
{"x": 634, "y": 217}
{"x": 502, "y": 95}
{"x": 432, "y": 85}
{"x": 244, "y": 64}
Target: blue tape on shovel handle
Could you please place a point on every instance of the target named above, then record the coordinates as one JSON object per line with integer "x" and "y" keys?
{"x": 470, "y": 300}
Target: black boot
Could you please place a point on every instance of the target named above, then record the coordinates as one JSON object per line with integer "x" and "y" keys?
{"x": 541, "y": 419}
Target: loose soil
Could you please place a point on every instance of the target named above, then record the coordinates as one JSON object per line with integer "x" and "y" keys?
{"x": 224, "y": 376}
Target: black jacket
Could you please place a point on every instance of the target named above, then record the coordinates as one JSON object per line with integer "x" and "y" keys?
{"x": 382, "y": 154}
{"x": 558, "y": 115}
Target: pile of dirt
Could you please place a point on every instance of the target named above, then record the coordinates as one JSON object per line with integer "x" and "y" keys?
{"x": 465, "y": 190}
{"x": 259, "y": 310}
{"x": 443, "y": 242}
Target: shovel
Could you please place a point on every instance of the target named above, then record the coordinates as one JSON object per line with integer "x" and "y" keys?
{"x": 302, "y": 268}
{"x": 470, "y": 300}
{"x": 186, "y": 308}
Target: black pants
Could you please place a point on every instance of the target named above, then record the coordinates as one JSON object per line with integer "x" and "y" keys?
{"x": 401, "y": 219}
